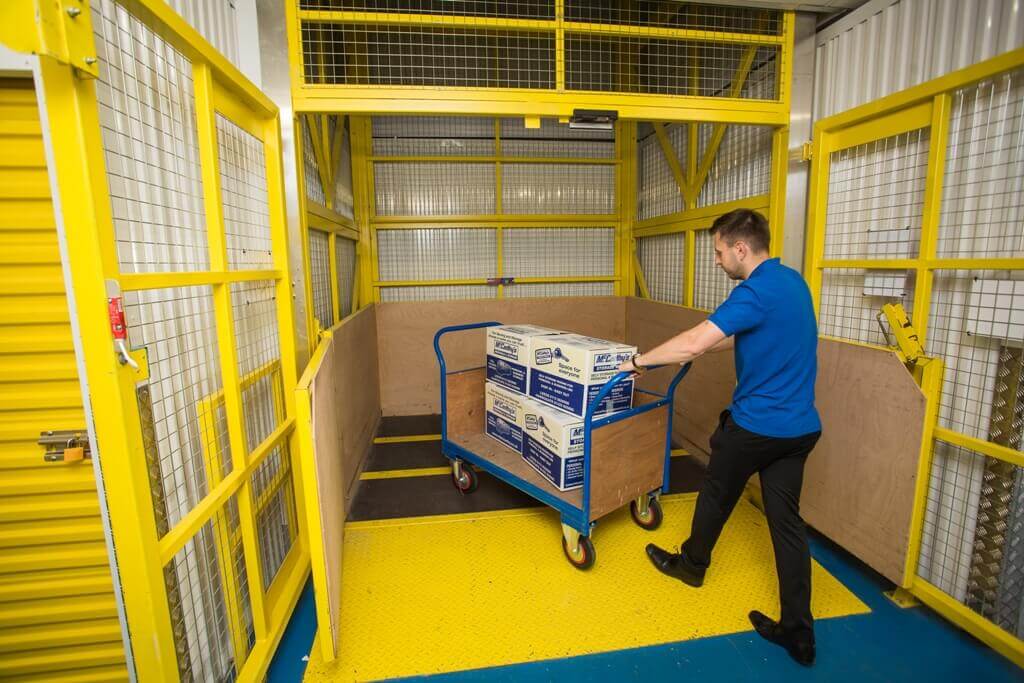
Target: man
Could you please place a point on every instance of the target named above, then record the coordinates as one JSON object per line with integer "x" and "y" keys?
{"x": 769, "y": 428}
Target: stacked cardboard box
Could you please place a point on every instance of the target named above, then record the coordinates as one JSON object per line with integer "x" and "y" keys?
{"x": 539, "y": 384}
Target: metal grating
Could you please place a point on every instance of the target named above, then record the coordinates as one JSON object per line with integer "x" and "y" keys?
{"x": 344, "y": 200}
{"x": 345, "y": 253}
{"x": 320, "y": 277}
{"x": 558, "y": 252}
{"x": 658, "y": 192}
{"x": 206, "y": 587}
{"x": 974, "y": 316}
{"x": 552, "y": 289}
{"x": 661, "y": 67}
{"x": 177, "y": 329}
{"x": 243, "y": 189}
{"x": 982, "y": 206}
{"x": 558, "y": 189}
{"x": 711, "y": 286}
{"x": 276, "y": 523}
{"x": 436, "y": 254}
{"x": 311, "y": 173}
{"x": 662, "y": 258}
{"x": 876, "y": 198}
{"x": 433, "y": 136}
{"x": 849, "y": 307}
{"x": 147, "y": 118}
{"x": 380, "y": 54}
{"x": 438, "y": 293}
{"x": 434, "y": 189}
{"x": 686, "y": 15}
{"x": 742, "y": 167}
{"x": 512, "y": 9}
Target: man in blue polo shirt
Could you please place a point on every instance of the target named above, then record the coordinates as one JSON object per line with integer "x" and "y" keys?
{"x": 769, "y": 428}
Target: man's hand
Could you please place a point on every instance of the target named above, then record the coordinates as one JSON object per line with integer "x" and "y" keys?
{"x": 629, "y": 366}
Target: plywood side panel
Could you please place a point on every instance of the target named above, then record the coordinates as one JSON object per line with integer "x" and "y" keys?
{"x": 705, "y": 391}
{"x": 465, "y": 398}
{"x": 627, "y": 458}
{"x": 409, "y": 376}
{"x": 859, "y": 481}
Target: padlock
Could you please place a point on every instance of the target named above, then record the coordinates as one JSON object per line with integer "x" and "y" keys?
{"x": 74, "y": 454}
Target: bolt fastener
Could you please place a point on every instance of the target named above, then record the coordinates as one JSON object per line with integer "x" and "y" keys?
{"x": 74, "y": 12}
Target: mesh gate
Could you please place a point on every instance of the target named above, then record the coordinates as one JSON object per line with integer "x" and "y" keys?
{"x": 168, "y": 171}
{"x": 922, "y": 206}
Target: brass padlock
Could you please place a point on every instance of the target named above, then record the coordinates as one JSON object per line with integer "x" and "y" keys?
{"x": 74, "y": 454}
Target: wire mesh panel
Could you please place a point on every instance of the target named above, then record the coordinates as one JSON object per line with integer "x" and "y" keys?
{"x": 436, "y": 254}
{"x": 243, "y": 188}
{"x": 176, "y": 328}
{"x": 849, "y": 307}
{"x": 876, "y": 198}
{"x": 982, "y": 206}
{"x": 558, "y": 189}
{"x": 658, "y": 66}
{"x": 976, "y": 316}
{"x": 434, "y": 189}
{"x": 550, "y": 289}
{"x": 438, "y": 293}
{"x": 711, "y": 286}
{"x": 657, "y": 188}
{"x": 433, "y": 136}
{"x": 510, "y": 9}
{"x": 311, "y": 173}
{"x": 274, "y": 500}
{"x": 381, "y": 54}
{"x": 206, "y": 592}
{"x": 558, "y": 252}
{"x": 742, "y": 167}
{"x": 345, "y": 254}
{"x": 675, "y": 15}
{"x": 554, "y": 139}
{"x": 320, "y": 277}
{"x": 972, "y": 545}
{"x": 663, "y": 260}
{"x": 147, "y": 117}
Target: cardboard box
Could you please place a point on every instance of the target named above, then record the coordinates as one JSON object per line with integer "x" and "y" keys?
{"x": 503, "y": 416}
{"x": 508, "y": 350}
{"x": 553, "y": 444}
{"x": 569, "y": 370}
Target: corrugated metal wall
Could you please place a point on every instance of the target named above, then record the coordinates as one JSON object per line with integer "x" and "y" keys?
{"x": 58, "y": 618}
{"x": 216, "y": 20}
{"x": 888, "y": 46}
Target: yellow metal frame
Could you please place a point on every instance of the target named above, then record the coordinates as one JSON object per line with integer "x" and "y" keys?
{"x": 924, "y": 106}
{"x": 79, "y": 172}
{"x": 556, "y": 102}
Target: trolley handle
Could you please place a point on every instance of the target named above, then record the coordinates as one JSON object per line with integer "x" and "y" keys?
{"x": 620, "y": 376}
{"x": 444, "y": 368}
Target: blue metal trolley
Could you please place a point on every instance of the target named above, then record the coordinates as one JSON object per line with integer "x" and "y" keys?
{"x": 626, "y": 455}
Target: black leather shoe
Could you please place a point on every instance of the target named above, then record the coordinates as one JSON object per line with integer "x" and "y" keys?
{"x": 799, "y": 645}
{"x": 675, "y": 565}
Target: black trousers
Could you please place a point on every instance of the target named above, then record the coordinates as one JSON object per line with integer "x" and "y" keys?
{"x": 736, "y": 455}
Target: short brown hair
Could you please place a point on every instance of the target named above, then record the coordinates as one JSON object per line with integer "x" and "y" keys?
{"x": 746, "y": 225}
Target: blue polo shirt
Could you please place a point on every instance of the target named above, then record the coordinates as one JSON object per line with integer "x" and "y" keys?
{"x": 776, "y": 347}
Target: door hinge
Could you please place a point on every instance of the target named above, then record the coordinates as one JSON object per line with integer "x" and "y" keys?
{"x": 61, "y": 29}
{"x": 807, "y": 151}
{"x": 67, "y": 445}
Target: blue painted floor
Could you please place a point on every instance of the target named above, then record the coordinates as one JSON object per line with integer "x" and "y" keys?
{"x": 890, "y": 644}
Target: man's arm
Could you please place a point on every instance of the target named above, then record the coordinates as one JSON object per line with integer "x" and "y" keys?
{"x": 683, "y": 347}
{"x": 723, "y": 345}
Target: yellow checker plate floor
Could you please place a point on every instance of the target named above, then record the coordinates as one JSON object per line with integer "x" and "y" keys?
{"x": 437, "y": 594}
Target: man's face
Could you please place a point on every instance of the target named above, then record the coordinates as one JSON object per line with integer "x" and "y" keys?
{"x": 729, "y": 258}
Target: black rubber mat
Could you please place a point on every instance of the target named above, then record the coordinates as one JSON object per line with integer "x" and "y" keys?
{"x": 409, "y": 425}
{"x": 405, "y": 456}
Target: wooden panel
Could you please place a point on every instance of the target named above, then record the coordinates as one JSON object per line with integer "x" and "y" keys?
{"x": 465, "y": 411}
{"x": 859, "y": 481}
{"x": 345, "y": 411}
{"x": 705, "y": 391}
{"x": 627, "y": 458}
{"x": 408, "y": 367}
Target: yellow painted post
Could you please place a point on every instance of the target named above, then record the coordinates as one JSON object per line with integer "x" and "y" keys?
{"x": 332, "y": 254}
{"x": 499, "y": 235}
{"x": 626, "y": 201}
{"x": 78, "y": 175}
{"x": 690, "y": 271}
{"x": 932, "y": 212}
{"x": 930, "y": 381}
{"x": 307, "y": 277}
{"x": 777, "y": 193}
{"x": 560, "y": 45}
{"x": 817, "y": 207}
{"x": 206, "y": 133}
{"x": 362, "y": 181}
{"x": 692, "y": 143}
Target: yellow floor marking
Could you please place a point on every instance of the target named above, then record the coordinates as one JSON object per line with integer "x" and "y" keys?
{"x": 407, "y": 439}
{"x": 398, "y": 474}
{"x": 431, "y": 595}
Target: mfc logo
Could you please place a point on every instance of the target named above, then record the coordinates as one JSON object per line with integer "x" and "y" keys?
{"x": 506, "y": 349}
{"x": 505, "y": 408}
{"x": 604, "y": 358}
{"x": 576, "y": 433}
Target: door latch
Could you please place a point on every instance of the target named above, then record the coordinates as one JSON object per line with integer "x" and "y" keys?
{"x": 67, "y": 445}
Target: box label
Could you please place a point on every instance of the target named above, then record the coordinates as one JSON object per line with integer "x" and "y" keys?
{"x": 507, "y": 374}
{"x": 505, "y": 432}
{"x": 564, "y": 473}
{"x": 569, "y": 396}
